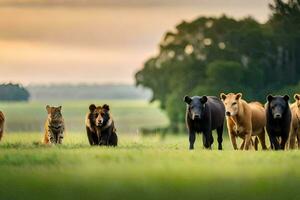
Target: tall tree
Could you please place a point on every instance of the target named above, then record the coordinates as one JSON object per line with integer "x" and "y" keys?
{"x": 213, "y": 55}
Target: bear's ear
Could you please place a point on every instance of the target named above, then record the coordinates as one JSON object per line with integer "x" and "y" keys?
{"x": 238, "y": 96}
{"x": 92, "y": 107}
{"x": 106, "y": 107}
{"x": 297, "y": 97}
{"x": 48, "y": 108}
{"x": 270, "y": 98}
{"x": 187, "y": 99}
{"x": 222, "y": 96}
{"x": 203, "y": 99}
{"x": 286, "y": 97}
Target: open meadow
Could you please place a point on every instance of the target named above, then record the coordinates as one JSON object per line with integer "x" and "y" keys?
{"x": 153, "y": 167}
{"x": 197, "y": 61}
{"x": 142, "y": 168}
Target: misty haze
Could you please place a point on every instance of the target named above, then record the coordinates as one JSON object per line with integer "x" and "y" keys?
{"x": 95, "y": 41}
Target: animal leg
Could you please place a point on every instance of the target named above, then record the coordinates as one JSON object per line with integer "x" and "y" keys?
{"x": 97, "y": 136}
{"x": 242, "y": 145}
{"x": 89, "y": 135}
{"x": 233, "y": 140}
{"x": 113, "y": 139}
{"x": 192, "y": 138}
{"x": 220, "y": 137}
{"x": 207, "y": 139}
{"x": 292, "y": 139}
{"x": 248, "y": 140}
{"x": 262, "y": 139}
{"x": 256, "y": 143}
{"x": 298, "y": 140}
{"x": 283, "y": 141}
{"x": 60, "y": 137}
{"x": 110, "y": 132}
{"x": 274, "y": 143}
{"x": 51, "y": 137}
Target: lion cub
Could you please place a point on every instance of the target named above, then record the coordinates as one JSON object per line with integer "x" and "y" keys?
{"x": 54, "y": 126}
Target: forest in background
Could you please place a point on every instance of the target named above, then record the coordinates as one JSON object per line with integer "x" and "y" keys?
{"x": 211, "y": 55}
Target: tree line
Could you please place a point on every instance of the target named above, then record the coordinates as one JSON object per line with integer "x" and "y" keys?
{"x": 13, "y": 92}
{"x": 212, "y": 55}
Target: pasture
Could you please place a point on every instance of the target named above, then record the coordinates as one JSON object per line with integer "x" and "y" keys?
{"x": 152, "y": 167}
{"x": 142, "y": 168}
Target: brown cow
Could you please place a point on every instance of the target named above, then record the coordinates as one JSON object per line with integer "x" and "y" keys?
{"x": 295, "y": 127}
{"x": 244, "y": 120}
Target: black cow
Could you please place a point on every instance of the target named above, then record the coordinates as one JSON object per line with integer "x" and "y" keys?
{"x": 204, "y": 114}
{"x": 278, "y": 115}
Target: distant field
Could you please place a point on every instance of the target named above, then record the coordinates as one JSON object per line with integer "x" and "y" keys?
{"x": 130, "y": 115}
{"x": 142, "y": 168}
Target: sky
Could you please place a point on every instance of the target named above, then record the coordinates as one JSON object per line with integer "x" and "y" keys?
{"x": 96, "y": 41}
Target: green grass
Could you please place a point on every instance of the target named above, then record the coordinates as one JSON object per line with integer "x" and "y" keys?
{"x": 129, "y": 115}
{"x": 142, "y": 168}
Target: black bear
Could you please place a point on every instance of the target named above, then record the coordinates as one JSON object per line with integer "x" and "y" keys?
{"x": 100, "y": 126}
{"x": 278, "y": 116}
{"x": 204, "y": 114}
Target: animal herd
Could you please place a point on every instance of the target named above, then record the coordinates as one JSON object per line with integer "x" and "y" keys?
{"x": 246, "y": 120}
{"x": 249, "y": 121}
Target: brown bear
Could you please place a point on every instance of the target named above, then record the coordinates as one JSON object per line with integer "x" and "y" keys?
{"x": 2, "y": 120}
{"x": 100, "y": 126}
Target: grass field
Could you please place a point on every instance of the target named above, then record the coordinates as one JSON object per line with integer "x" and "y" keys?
{"x": 151, "y": 167}
{"x": 129, "y": 115}
{"x": 142, "y": 168}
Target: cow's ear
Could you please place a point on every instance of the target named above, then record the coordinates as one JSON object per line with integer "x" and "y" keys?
{"x": 48, "y": 108}
{"x": 297, "y": 97}
{"x": 92, "y": 107}
{"x": 238, "y": 96}
{"x": 222, "y": 96}
{"x": 270, "y": 98}
{"x": 203, "y": 99}
{"x": 106, "y": 107}
{"x": 286, "y": 97}
{"x": 187, "y": 99}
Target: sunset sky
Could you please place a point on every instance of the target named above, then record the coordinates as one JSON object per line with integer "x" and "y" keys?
{"x": 95, "y": 41}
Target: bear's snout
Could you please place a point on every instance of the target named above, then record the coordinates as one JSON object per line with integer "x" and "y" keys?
{"x": 277, "y": 116}
{"x": 196, "y": 116}
{"x": 99, "y": 122}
